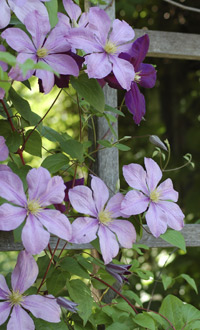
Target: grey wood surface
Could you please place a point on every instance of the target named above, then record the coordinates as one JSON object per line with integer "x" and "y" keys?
{"x": 191, "y": 234}
{"x": 172, "y": 44}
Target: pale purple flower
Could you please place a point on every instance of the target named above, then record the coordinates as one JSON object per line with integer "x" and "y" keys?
{"x": 17, "y": 303}
{"x": 43, "y": 191}
{"x": 4, "y": 152}
{"x": 78, "y": 19}
{"x": 4, "y": 67}
{"x": 118, "y": 271}
{"x": 42, "y": 48}
{"x": 101, "y": 219}
{"x": 103, "y": 42}
{"x": 67, "y": 304}
{"x": 159, "y": 201}
{"x": 21, "y": 8}
{"x": 145, "y": 76}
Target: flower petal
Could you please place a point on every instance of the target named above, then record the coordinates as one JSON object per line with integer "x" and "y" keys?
{"x": 135, "y": 103}
{"x": 11, "y": 188}
{"x": 125, "y": 232}
{"x": 4, "y": 14}
{"x": 18, "y": 40}
{"x": 4, "y": 152}
{"x": 139, "y": 50}
{"x": 56, "y": 223}
{"x": 4, "y": 311}
{"x": 135, "y": 176}
{"x": 156, "y": 220}
{"x": 20, "y": 320}
{"x": 84, "y": 39}
{"x": 166, "y": 191}
{"x": 47, "y": 78}
{"x": 55, "y": 42}
{"x": 99, "y": 23}
{"x": 37, "y": 179}
{"x": 121, "y": 33}
{"x": 147, "y": 75}
{"x": 173, "y": 214}
{"x": 134, "y": 203}
{"x": 11, "y": 216}
{"x": 114, "y": 205}
{"x": 45, "y": 308}
{"x": 84, "y": 230}
{"x": 108, "y": 244}
{"x": 154, "y": 173}
{"x": 24, "y": 273}
{"x": 73, "y": 10}
{"x": 123, "y": 71}
{"x": 98, "y": 65}
{"x": 100, "y": 192}
{"x": 54, "y": 193}
{"x": 4, "y": 290}
{"x": 82, "y": 200}
{"x": 63, "y": 64}
{"x": 34, "y": 237}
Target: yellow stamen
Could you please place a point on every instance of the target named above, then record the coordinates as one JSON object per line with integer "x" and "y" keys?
{"x": 137, "y": 77}
{"x": 105, "y": 216}
{"x": 34, "y": 207}
{"x": 154, "y": 196}
{"x": 110, "y": 47}
{"x": 42, "y": 52}
{"x": 15, "y": 298}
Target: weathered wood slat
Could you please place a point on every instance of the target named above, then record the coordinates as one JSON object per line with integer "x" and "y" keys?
{"x": 191, "y": 234}
{"x": 172, "y": 44}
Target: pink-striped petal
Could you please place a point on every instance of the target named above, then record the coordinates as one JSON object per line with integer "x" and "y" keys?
{"x": 100, "y": 192}
{"x": 82, "y": 200}
{"x": 56, "y": 223}
{"x": 108, "y": 244}
{"x": 11, "y": 216}
{"x": 166, "y": 191}
{"x": 98, "y": 65}
{"x": 45, "y": 308}
{"x": 4, "y": 290}
{"x": 154, "y": 173}
{"x": 135, "y": 176}
{"x": 156, "y": 220}
{"x": 134, "y": 203}
{"x": 5, "y": 309}
{"x": 34, "y": 237}
{"x": 84, "y": 230}
{"x": 24, "y": 273}
{"x": 20, "y": 320}
{"x": 11, "y": 188}
{"x": 125, "y": 232}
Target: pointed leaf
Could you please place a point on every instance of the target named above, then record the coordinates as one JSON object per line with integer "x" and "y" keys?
{"x": 175, "y": 238}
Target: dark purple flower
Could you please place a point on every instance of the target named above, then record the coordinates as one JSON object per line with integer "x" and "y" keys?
{"x": 118, "y": 271}
{"x": 68, "y": 304}
{"x": 145, "y": 76}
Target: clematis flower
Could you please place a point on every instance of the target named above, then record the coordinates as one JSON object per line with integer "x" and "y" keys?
{"x": 17, "y": 303}
{"x": 21, "y": 8}
{"x": 118, "y": 271}
{"x": 43, "y": 191}
{"x": 40, "y": 49}
{"x": 67, "y": 304}
{"x": 101, "y": 219}
{"x": 145, "y": 76}
{"x": 4, "y": 67}
{"x": 159, "y": 201}
{"x": 4, "y": 152}
{"x": 78, "y": 19}
{"x": 103, "y": 46}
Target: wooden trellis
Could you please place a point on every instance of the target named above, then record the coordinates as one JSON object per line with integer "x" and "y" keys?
{"x": 162, "y": 45}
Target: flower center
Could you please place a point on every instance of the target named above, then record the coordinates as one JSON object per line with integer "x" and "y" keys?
{"x": 15, "y": 298}
{"x": 105, "y": 216}
{"x": 154, "y": 196}
{"x": 34, "y": 207}
{"x": 137, "y": 77}
{"x": 110, "y": 47}
{"x": 42, "y": 52}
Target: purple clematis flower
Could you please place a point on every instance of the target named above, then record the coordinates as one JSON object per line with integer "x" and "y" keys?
{"x": 40, "y": 49}
{"x": 21, "y": 8}
{"x": 101, "y": 219}
{"x": 4, "y": 67}
{"x": 118, "y": 271}
{"x": 16, "y": 303}
{"x": 4, "y": 152}
{"x": 43, "y": 191}
{"x": 67, "y": 304}
{"x": 78, "y": 19}
{"x": 159, "y": 200}
{"x": 145, "y": 76}
{"x": 103, "y": 46}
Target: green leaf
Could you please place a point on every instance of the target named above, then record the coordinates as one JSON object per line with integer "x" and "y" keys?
{"x": 18, "y": 232}
{"x": 145, "y": 321}
{"x": 21, "y": 172}
{"x": 31, "y": 65}
{"x": 22, "y": 106}
{"x": 13, "y": 141}
{"x": 55, "y": 162}
{"x": 117, "y": 326}
{"x": 132, "y": 296}
{"x": 114, "y": 110}
{"x": 90, "y": 90}
{"x": 43, "y": 263}
{"x": 167, "y": 281}
{"x": 105, "y": 143}
{"x": 43, "y": 325}
{"x": 52, "y": 135}
{"x": 190, "y": 281}
{"x": 56, "y": 282}
{"x": 8, "y": 58}
{"x": 172, "y": 309}
{"x": 52, "y": 8}
{"x": 122, "y": 147}
{"x": 5, "y": 128}
{"x": 73, "y": 148}
{"x": 191, "y": 316}
{"x": 81, "y": 294}
{"x": 175, "y": 238}
{"x": 34, "y": 143}
{"x": 72, "y": 266}
{"x": 5, "y": 81}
